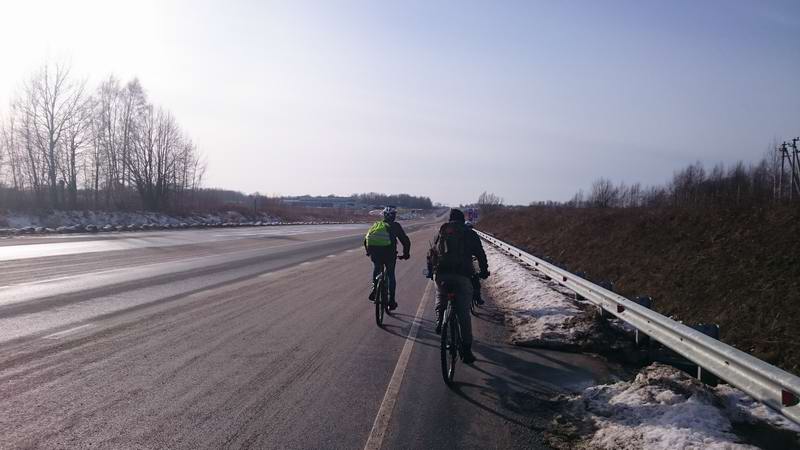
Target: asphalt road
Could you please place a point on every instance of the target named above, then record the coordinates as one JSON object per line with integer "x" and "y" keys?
{"x": 257, "y": 337}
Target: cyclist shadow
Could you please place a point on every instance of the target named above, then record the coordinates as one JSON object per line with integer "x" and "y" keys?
{"x": 516, "y": 383}
{"x": 461, "y": 389}
{"x": 423, "y": 336}
{"x": 490, "y": 314}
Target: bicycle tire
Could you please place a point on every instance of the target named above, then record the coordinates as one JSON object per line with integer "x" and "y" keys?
{"x": 379, "y": 303}
{"x": 449, "y": 347}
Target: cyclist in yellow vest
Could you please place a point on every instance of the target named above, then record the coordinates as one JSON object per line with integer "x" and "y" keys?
{"x": 381, "y": 246}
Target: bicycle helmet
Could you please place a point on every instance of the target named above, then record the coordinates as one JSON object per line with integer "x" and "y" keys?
{"x": 390, "y": 213}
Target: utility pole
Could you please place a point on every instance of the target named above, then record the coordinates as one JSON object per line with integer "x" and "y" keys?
{"x": 782, "y": 150}
{"x": 795, "y": 167}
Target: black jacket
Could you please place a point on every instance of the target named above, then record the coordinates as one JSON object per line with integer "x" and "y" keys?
{"x": 473, "y": 247}
{"x": 396, "y": 233}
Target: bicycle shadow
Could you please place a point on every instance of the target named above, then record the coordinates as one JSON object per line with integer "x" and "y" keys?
{"x": 423, "y": 336}
{"x": 518, "y": 384}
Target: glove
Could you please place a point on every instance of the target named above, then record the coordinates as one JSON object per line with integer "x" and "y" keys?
{"x": 405, "y": 256}
{"x": 484, "y": 274}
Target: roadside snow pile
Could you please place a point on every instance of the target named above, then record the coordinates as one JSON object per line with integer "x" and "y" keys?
{"x": 540, "y": 312}
{"x": 662, "y": 408}
{"x": 15, "y": 223}
{"x": 742, "y": 408}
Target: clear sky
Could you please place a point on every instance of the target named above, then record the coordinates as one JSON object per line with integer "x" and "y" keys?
{"x": 530, "y": 99}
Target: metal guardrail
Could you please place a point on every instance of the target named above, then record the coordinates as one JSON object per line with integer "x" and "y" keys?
{"x": 764, "y": 382}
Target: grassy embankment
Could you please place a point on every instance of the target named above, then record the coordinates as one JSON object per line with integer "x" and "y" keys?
{"x": 739, "y": 268}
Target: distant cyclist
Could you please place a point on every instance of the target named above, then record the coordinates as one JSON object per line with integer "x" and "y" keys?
{"x": 454, "y": 247}
{"x": 474, "y": 278}
{"x": 381, "y": 246}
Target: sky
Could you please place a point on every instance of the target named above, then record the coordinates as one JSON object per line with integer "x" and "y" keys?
{"x": 531, "y": 100}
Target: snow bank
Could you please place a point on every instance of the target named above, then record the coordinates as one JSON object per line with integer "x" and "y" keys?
{"x": 13, "y": 223}
{"x": 664, "y": 408}
{"x": 742, "y": 408}
{"x": 540, "y": 312}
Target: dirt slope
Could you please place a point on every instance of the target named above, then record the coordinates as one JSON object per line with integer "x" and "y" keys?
{"x": 739, "y": 268}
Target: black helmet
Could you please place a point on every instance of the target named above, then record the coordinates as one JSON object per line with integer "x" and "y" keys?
{"x": 389, "y": 213}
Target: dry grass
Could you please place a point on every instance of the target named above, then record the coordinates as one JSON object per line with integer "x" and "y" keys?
{"x": 735, "y": 267}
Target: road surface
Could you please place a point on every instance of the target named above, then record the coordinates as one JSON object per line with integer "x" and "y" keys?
{"x": 250, "y": 337}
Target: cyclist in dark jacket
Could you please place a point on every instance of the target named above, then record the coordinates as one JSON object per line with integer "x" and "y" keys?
{"x": 386, "y": 256}
{"x": 458, "y": 281}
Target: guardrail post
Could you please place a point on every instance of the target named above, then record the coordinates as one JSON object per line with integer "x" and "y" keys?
{"x": 643, "y": 340}
{"x": 712, "y": 330}
{"x": 667, "y": 356}
{"x": 608, "y": 285}
{"x": 585, "y": 276}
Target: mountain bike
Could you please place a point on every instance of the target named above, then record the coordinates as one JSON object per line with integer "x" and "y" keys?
{"x": 451, "y": 347}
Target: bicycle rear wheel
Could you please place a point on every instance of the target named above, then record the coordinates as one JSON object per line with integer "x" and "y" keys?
{"x": 380, "y": 300}
{"x": 449, "y": 347}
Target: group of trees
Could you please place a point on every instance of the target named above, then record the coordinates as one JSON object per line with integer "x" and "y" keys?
{"x": 403, "y": 200}
{"x": 63, "y": 145}
{"x": 695, "y": 186}
{"x": 488, "y": 202}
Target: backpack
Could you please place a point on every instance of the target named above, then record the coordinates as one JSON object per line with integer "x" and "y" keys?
{"x": 379, "y": 235}
{"x": 450, "y": 251}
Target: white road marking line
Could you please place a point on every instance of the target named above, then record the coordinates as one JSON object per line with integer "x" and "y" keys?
{"x": 375, "y": 439}
{"x": 265, "y": 275}
{"x": 61, "y": 334}
{"x": 305, "y": 263}
{"x": 331, "y": 256}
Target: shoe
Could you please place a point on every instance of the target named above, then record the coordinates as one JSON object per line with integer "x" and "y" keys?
{"x": 468, "y": 357}
{"x": 392, "y": 305}
{"x": 439, "y": 322}
{"x": 372, "y": 295}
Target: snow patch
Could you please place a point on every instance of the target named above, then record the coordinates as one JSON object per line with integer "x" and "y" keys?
{"x": 742, "y": 408}
{"x": 540, "y": 312}
{"x": 664, "y": 408}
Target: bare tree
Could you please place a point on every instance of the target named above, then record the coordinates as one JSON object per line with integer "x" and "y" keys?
{"x": 51, "y": 100}
{"x": 59, "y": 146}
{"x": 488, "y": 202}
{"x": 604, "y": 194}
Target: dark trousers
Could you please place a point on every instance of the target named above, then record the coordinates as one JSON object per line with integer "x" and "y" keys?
{"x": 462, "y": 287}
{"x": 476, "y": 286}
{"x": 378, "y": 263}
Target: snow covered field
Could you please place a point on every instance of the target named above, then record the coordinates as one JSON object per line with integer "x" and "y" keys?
{"x": 539, "y": 312}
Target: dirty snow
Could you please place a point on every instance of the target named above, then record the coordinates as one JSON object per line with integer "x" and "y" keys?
{"x": 13, "y": 222}
{"x": 664, "y": 408}
{"x": 741, "y": 407}
{"x": 540, "y": 312}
